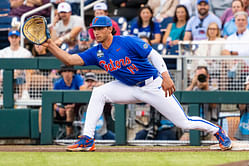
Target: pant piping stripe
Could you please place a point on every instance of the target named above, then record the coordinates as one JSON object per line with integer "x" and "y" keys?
{"x": 193, "y": 119}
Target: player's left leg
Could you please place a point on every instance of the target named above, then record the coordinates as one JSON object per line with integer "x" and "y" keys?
{"x": 171, "y": 109}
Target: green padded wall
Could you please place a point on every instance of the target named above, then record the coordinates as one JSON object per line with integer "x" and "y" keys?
{"x": 15, "y": 123}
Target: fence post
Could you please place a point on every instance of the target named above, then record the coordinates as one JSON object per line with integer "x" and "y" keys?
{"x": 194, "y": 134}
{"x": 8, "y": 93}
{"x": 120, "y": 124}
{"x": 48, "y": 99}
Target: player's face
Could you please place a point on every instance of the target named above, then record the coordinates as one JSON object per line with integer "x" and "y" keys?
{"x": 101, "y": 33}
{"x": 236, "y": 6}
{"x": 203, "y": 8}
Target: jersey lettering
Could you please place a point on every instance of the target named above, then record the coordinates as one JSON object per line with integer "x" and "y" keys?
{"x": 132, "y": 68}
{"x": 114, "y": 65}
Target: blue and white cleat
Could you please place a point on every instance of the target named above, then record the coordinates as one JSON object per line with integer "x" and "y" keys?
{"x": 84, "y": 144}
{"x": 224, "y": 141}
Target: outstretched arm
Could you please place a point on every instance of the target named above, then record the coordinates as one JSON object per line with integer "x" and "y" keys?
{"x": 65, "y": 57}
{"x": 167, "y": 84}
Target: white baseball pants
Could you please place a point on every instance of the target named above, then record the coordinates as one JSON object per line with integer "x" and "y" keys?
{"x": 117, "y": 92}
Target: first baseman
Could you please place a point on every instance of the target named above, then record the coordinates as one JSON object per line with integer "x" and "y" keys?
{"x": 127, "y": 59}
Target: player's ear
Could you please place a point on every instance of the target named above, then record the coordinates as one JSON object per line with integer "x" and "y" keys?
{"x": 110, "y": 29}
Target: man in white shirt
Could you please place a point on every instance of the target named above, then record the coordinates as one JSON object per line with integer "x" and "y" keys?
{"x": 66, "y": 26}
{"x": 16, "y": 51}
{"x": 242, "y": 34}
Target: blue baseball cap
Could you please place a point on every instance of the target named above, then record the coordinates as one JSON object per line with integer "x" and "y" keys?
{"x": 199, "y": 1}
{"x": 101, "y": 21}
{"x": 11, "y": 33}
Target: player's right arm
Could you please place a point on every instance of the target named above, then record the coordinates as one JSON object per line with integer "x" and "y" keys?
{"x": 62, "y": 55}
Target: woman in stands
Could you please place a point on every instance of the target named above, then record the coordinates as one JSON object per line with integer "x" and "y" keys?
{"x": 206, "y": 50}
{"x": 145, "y": 26}
{"x": 176, "y": 30}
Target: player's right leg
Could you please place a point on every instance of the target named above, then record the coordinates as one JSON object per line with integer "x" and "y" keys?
{"x": 172, "y": 110}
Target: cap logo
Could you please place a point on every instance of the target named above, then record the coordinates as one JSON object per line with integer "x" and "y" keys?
{"x": 95, "y": 20}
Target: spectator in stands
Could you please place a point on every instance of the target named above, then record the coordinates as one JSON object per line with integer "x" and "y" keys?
{"x": 197, "y": 25}
{"x": 18, "y": 9}
{"x": 100, "y": 9}
{"x": 128, "y": 9}
{"x": 233, "y": 68}
{"x": 163, "y": 9}
{"x": 91, "y": 81}
{"x": 40, "y": 51}
{"x": 230, "y": 26}
{"x": 83, "y": 44}
{"x": 40, "y": 80}
{"x": 16, "y": 3}
{"x": 66, "y": 112}
{"x": 213, "y": 34}
{"x": 176, "y": 30}
{"x": 102, "y": 131}
{"x": 16, "y": 51}
{"x": 200, "y": 82}
{"x": 242, "y": 34}
{"x": 207, "y": 50}
{"x": 145, "y": 26}
{"x": 229, "y": 14}
{"x": 242, "y": 132}
{"x": 158, "y": 128}
{"x": 66, "y": 27}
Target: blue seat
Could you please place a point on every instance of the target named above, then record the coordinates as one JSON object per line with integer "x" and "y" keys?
{"x": 160, "y": 48}
{"x": 122, "y": 23}
{"x": 132, "y": 22}
{"x": 4, "y": 39}
{"x": 4, "y": 6}
{"x": 5, "y": 22}
{"x": 165, "y": 22}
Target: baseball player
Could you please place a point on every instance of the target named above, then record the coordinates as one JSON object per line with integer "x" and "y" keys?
{"x": 127, "y": 59}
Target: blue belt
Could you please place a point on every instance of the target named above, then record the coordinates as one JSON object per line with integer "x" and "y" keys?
{"x": 142, "y": 83}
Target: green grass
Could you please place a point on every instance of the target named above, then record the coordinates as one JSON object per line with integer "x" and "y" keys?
{"x": 120, "y": 158}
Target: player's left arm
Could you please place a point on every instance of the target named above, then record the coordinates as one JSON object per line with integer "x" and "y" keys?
{"x": 167, "y": 84}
